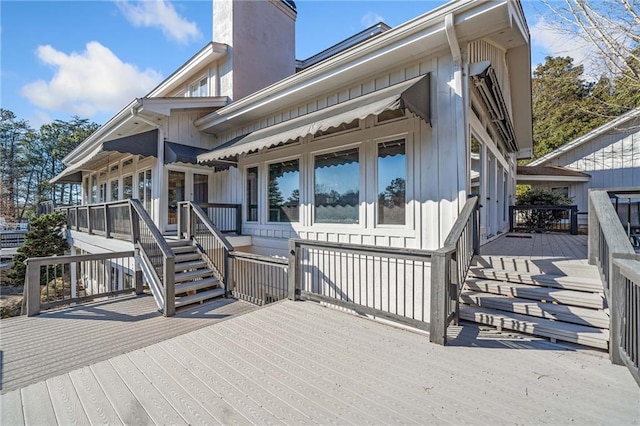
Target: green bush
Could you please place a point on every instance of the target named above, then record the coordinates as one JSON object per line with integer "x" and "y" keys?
{"x": 46, "y": 238}
{"x": 542, "y": 219}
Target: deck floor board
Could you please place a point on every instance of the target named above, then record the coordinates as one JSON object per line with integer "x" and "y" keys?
{"x": 302, "y": 363}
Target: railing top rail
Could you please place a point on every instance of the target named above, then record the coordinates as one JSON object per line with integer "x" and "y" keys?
{"x": 95, "y": 205}
{"x": 459, "y": 224}
{"x": 612, "y": 229}
{"x": 397, "y": 251}
{"x": 54, "y": 260}
{"x": 155, "y": 233}
{"x": 259, "y": 258}
{"x": 542, "y": 206}
{"x": 221, "y": 205}
{"x": 629, "y": 265}
{"x": 210, "y": 226}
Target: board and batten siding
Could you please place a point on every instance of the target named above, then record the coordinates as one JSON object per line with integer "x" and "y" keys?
{"x": 435, "y": 155}
{"x": 180, "y": 129}
{"x": 612, "y": 160}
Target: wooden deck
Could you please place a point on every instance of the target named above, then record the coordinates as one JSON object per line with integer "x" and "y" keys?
{"x": 56, "y": 342}
{"x": 301, "y": 363}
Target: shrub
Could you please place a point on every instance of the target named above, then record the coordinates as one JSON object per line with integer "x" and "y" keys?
{"x": 542, "y": 219}
{"x": 46, "y": 238}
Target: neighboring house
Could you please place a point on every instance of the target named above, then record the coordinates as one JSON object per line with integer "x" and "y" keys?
{"x": 605, "y": 158}
{"x": 369, "y": 142}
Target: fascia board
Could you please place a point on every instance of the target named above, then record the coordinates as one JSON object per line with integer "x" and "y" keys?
{"x": 587, "y": 137}
{"x": 210, "y": 53}
{"x": 103, "y": 131}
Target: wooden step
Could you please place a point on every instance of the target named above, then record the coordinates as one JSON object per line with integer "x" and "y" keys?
{"x": 536, "y": 265}
{"x": 179, "y": 243}
{"x": 196, "y": 285}
{"x": 191, "y": 275}
{"x": 551, "y": 311}
{"x": 565, "y": 297}
{"x": 187, "y": 257}
{"x": 580, "y": 334}
{"x": 543, "y": 280}
{"x": 185, "y": 266}
{"x": 184, "y": 249}
{"x": 199, "y": 297}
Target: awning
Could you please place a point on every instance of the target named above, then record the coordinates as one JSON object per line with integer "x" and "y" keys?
{"x": 412, "y": 94}
{"x": 75, "y": 177}
{"x": 145, "y": 144}
{"x": 179, "y": 153}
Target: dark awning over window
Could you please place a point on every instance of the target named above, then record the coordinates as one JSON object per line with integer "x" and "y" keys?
{"x": 179, "y": 153}
{"x": 145, "y": 144}
{"x": 413, "y": 95}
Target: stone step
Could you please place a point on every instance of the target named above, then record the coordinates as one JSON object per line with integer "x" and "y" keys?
{"x": 543, "y": 280}
{"x": 198, "y": 297}
{"x": 196, "y": 285}
{"x": 551, "y": 311}
{"x": 546, "y": 294}
{"x": 555, "y": 330}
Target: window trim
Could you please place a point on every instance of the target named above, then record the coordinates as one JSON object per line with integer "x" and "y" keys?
{"x": 245, "y": 188}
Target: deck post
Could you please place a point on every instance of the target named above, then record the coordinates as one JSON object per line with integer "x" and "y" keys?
{"x": 32, "y": 287}
{"x": 294, "y": 270}
{"x": 574, "y": 220}
{"x": 138, "y": 283}
{"x": 616, "y": 308}
{"x": 169, "y": 289}
{"x": 238, "y": 219}
{"x": 107, "y": 224}
{"x": 439, "y": 283}
{"x": 594, "y": 231}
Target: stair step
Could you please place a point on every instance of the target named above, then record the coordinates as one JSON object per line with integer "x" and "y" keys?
{"x": 536, "y": 265}
{"x": 184, "y": 266}
{"x": 190, "y": 275}
{"x": 187, "y": 257}
{"x": 580, "y": 334}
{"x": 571, "y": 314}
{"x": 199, "y": 297}
{"x": 566, "y": 297}
{"x": 543, "y": 280}
{"x": 196, "y": 285}
{"x": 179, "y": 243}
{"x": 184, "y": 249}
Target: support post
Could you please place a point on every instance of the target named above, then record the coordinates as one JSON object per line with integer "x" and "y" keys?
{"x": 180, "y": 230}
{"x": 169, "y": 288}
{"x": 228, "y": 274}
{"x": 135, "y": 225}
{"x": 594, "y": 232}
{"x": 439, "y": 281}
{"x": 107, "y": 222}
{"x": 574, "y": 220}
{"x": 293, "y": 273}
{"x": 137, "y": 275}
{"x": 89, "y": 227}
{"x": 476, "y": 230}
{"x": 32, "y": 287}
{"x": 238, "y": 219}
{"x": 616, "y": 308}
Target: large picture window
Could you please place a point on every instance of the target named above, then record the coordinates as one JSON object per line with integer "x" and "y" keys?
{"x": 252, "y": 194}
{"x": 284, "y": 191}
{"x": 392, "y": 179}
{"x": 114, "y": 189}
{"x": 127, "y": 187}
{"x": 337, "y": 187}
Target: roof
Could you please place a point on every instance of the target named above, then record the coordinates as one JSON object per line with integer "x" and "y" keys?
{"x": 611, "y": 125}
{"x": 549, "y": 171}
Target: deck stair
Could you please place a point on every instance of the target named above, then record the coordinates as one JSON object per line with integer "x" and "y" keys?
{"x": 510, "y": 293}
{"x": 194, "y": 280}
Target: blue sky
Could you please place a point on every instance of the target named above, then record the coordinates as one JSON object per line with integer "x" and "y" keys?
{"x": 90, "y": 58}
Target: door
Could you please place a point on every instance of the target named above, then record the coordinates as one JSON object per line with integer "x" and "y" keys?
{"x": 175, "y": 193}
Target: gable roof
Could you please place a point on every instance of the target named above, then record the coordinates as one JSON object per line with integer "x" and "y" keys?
{"x": 549, "y": 171}
{"x": 633, "y": 114}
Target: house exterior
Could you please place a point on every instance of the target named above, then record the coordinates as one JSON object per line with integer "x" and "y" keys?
{"x": 605, "y": 158}
{"x": 377, "y": 141}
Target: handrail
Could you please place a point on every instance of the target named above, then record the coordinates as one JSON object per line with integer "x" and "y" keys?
{"x": 70, "y": 275}
{"x": 611, "y": 251}
{"x": 208, "y": 239}
{"x": 449, "y": 268}
{"x": 152, "y": 244}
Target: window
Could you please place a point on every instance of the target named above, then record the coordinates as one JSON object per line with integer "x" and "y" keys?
{"x": 144, "y": 189}
{"x": 127, "y": 162}
{"x": 284, "y": 191}
{"x": 114, "y": 168}
{"x": 337, "y": 187}
{"x": 252, "y": 194}
{"x": 114, "y": 189}
{"x": 86, "y": 190}
{"x": 564, "y": 190}
{"x": 392, "y": 178}
{"x": 103, "y": 192}
{"x": 94, "y": 189}
{"x": 127, "y": 187}
{"x": 200, "y": 188}
{"x": 199, "y": 89}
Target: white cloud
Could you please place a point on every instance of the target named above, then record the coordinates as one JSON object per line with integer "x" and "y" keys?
{"x": 370, "y": 18}
{"x": 160, "y": 14}
{"x": 555, "y": 42}
{"x": 89, "y": 82}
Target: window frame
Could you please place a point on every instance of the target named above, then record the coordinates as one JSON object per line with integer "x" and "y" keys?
{"x": 407, "y": 182}
{"x": 267, "y": 206}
